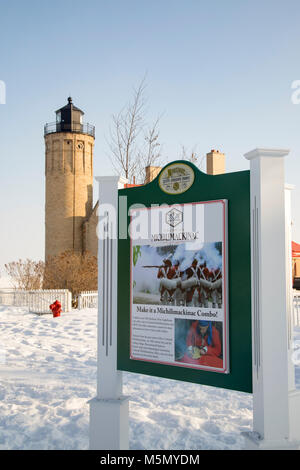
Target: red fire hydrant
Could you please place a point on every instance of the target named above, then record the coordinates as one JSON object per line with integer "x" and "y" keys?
{"x": 56, "y": 308}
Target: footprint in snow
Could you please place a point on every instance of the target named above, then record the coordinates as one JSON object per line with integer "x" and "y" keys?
{"x": 211, "y": 428}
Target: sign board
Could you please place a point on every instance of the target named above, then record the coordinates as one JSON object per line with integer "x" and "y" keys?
{"x": 184, "y": 293}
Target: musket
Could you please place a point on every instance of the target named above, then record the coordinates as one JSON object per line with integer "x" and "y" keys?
{"x": 153, "y": 266}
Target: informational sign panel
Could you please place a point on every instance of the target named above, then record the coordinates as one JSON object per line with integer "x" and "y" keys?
{"x": 179, "y": 282}
{"x": 184, "y": 278}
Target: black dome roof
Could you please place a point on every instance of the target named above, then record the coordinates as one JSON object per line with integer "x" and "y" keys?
{"x": 70, "y": 105}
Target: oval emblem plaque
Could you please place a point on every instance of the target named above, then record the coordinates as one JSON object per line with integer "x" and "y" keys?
{"x": 176, "y": 178}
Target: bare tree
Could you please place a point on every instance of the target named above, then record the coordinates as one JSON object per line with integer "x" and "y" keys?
{"x": 134, "y": 145}
{"x": 127, "y": 126}
{"x": 26, "y": 274}
{"x": 74, "y": 271}
{"x": 192, "y": 156}
{"x": 150, "y": 154}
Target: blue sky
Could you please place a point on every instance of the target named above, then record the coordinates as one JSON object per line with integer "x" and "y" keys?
{"x": 220, "y": 71}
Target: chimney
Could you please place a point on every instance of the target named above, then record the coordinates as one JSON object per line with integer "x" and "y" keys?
{"x": 215, "y": 162}
{"x": 151, "y": 173}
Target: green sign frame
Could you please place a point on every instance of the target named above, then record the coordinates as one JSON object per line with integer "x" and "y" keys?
{"x": 235, "y": 188}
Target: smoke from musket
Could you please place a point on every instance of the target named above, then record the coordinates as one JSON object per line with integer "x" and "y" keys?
{"x": 146, "y": 278}
{"x": 208, "y": 253}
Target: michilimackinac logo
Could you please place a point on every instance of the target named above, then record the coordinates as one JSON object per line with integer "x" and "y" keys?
{"x": 174, "y": 217}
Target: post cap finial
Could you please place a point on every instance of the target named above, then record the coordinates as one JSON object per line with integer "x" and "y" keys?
{"x": 266, "y": 152}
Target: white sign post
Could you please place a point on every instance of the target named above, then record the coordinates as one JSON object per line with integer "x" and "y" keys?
{"x": 276, "y": 403}
{"x": 289, "y": 279}
{"x": 109, "y": 410}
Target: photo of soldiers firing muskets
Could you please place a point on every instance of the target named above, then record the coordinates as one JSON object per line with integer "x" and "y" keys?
{"x": 179, "y": 276}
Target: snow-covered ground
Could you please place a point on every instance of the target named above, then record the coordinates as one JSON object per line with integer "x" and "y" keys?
{"x": 48, "y": 373}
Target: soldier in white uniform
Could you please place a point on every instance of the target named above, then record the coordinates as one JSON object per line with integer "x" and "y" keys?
{"x": 166, "y": 274}
{"x": 193, "y": 279}
{"x": 178, "y": 294}
{"x": 216, "y": 293}
{"x": 203, "y": 291}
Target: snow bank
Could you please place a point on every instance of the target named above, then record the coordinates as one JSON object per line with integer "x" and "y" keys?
{"x": 48, "y": 373}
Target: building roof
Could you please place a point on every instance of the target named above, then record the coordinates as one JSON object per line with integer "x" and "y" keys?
{"x": 295, "y": 250}
{"x": 69, "y": 106}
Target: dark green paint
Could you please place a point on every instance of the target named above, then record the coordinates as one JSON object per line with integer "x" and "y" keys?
{"x": 235, "y": 187}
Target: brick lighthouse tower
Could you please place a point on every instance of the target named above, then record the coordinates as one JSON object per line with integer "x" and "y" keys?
{"x": 69, "y": 180}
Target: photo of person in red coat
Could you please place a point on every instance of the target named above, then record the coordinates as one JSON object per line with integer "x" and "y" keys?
{"x": 203, "y": 345}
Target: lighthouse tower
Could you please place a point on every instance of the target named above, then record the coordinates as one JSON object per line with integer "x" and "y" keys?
{"x": 69, "y": 180}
